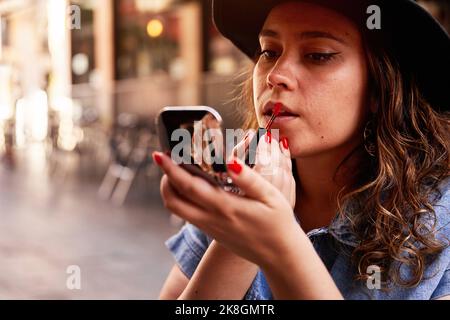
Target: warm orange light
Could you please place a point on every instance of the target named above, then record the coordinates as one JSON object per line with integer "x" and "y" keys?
{"x": 154, "y": 28}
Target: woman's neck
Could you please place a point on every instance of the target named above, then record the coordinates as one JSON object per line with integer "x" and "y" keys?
{"x": 318, "y": 185}
{"x": 316, "y": 191}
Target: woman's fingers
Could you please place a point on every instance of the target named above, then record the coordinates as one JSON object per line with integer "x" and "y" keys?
{"x": 273, "y": 162}
{"x": 288, "y": 187}
{"x": 179, "y": 205}
{"x": 293, "y": 197}
{"x": 284, "y": 147}
{"x": 239, "y": 149}
{"x": 263, "y": 160}
{"x": 229, "y": 206}
{"x": 272, "y": 155}
{"x": 250, "y": 182}
{"x": 198, "y": 190}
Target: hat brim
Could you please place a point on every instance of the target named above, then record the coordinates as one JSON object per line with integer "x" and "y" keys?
{"x": 419, "y": 43}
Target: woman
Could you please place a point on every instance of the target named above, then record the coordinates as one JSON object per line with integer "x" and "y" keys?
{"x": 365, "y": 123}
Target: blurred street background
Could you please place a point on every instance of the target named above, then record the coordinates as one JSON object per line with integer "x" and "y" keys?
{"x": 81, "y": 83}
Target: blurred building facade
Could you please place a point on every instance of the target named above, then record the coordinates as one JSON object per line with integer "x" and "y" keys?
{"x": 100, "y": 58}
{"x": 75, "y": 74}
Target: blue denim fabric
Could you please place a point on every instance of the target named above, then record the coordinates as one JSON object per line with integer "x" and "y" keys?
{"x": 334, "y": 245}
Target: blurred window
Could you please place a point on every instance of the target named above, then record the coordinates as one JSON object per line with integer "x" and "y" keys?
{"x": 146, "y": 37}
{"x": 82, "y": 42}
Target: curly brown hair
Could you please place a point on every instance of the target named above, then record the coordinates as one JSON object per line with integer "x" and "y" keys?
{"x": 396, "y": 221}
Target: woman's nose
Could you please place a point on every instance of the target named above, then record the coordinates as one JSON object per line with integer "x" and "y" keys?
{"x": 281, "y": 76}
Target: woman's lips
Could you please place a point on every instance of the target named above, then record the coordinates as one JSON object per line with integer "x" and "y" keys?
{"x": 282, "y": 118}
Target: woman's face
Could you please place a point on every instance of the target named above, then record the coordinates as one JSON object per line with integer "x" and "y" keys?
{"x": 313, "y": 62}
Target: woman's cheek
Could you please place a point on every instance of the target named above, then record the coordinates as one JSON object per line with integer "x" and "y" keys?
{"x": 318, "y": 136}
{"x": 258, "y": 90}
{"x": 341, "y": 128}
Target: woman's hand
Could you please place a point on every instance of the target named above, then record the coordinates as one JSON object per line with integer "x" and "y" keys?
{"x": 273, "y": 162}
{"x": 258, "y": 226}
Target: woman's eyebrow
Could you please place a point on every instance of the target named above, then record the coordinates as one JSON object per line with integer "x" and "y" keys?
{"x": 304, "y": 35}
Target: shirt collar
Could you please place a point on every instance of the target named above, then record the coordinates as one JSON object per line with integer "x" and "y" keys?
{"x": 339, "y": 228}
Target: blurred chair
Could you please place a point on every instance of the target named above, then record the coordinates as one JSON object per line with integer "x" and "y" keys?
{"x": 131, "y": 144}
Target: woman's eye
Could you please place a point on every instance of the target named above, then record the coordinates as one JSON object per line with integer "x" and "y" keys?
{"x": 268, "y": 54}
{"x": 321, "y": 58}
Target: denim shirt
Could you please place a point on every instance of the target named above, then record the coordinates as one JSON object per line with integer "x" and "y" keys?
{"x": 334, "y": 245}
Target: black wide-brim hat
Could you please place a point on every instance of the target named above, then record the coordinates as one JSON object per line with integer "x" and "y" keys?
{"x": 419, "y": 43}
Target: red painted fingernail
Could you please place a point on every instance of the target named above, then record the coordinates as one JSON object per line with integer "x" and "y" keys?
{"x": 268, "y": 137}
{"x": 158, "y": 158}
{"x": 235, "y": 167}
{"x": 285, "y": 143}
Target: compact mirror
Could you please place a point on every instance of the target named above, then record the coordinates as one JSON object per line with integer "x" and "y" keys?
{"x": 194, "y": 138}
